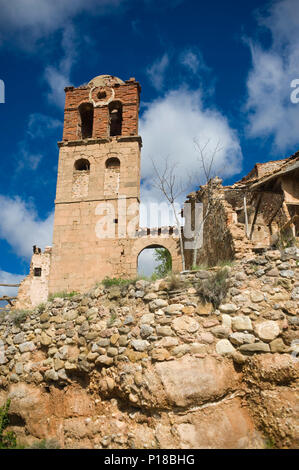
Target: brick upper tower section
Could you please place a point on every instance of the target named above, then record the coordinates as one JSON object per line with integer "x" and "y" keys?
{"x": 103, "y": 108}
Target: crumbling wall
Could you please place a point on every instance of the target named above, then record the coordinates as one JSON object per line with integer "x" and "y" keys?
{"x": 245, "y": 216}
{"x": 224, "y": 237}
{"x": 147, "y": 366}
{"x": 34, "y": 289}
{"x": 218, "y": 243}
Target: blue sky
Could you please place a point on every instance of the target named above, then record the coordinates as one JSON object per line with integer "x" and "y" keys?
{"x": 211, "y": 71}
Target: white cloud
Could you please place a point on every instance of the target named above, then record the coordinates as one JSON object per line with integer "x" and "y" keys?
{"x": 9, "y": 278}
{"x": 21, "y": 227}
{"x": 27, "y": 159}
{"x": 271, "y": 112}
{"x": 58, "y": 76}
{"x": 190, "y": 60}
{"x": 30, "y": 20}
{"x": 169, "y": 126}
{"x": 193, "y": 61}
{"x": 157, "y": 71}
{"x": 180, "y": 66}
{"x": 39, "y": 126}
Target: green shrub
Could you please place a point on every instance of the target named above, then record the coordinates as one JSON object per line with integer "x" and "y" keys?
{"x": 41, "y": 308}
{"x": 269, "y": 443}
{"x": 224, "y": 263}
{"x": 214, "y": 289}
{"x": 199, "y": 267}
{"x": 63, "y": 295}
{"x": 154, "y": 277}
{"x": 19, "y": 316}
{"x": 8, "y": 439}
{"x": 164, "y": 267}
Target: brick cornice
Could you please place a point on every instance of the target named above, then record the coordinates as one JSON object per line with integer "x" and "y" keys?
{"x": 122, "y": 138}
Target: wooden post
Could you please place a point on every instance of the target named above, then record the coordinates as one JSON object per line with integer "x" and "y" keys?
{"x": 246, "y": 217}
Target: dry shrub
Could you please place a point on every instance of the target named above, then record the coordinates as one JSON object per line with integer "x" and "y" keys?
{"x": 214, "y": 289}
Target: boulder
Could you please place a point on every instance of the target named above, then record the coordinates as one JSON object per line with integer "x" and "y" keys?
{"x": 241, "y": 323}
{"x": 224, "y": 348}
{"x": 267, "y": 330}
{"x": 228, "y": 308}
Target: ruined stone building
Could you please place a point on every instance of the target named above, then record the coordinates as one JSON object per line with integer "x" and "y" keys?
{"x": 96, "y": 226}
{"x": 260, "y": 210}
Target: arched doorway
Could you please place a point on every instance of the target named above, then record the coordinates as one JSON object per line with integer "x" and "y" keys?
{"x": 154, "y": 261}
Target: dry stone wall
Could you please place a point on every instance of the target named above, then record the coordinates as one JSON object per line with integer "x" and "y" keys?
{"x": 150, "y": 365}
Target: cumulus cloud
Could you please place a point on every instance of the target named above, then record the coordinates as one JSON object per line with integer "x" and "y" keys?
{"x": 21, "y": 227}
{"x": 169, "y": 126}
{"x": 271, "y": 112}
{"x": 30, "y": 20}
{"x": 26, "y": 23}
{"x": 9, "y": 278}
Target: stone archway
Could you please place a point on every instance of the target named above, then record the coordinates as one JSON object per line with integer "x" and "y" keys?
{"x": 148, "y": 265}
{"x": 171, "y": 244}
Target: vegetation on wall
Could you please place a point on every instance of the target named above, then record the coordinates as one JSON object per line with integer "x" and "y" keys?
{"x": 163, "y": 256}
{"x": 215, "y": 288}
{"x": 8, "y": 439}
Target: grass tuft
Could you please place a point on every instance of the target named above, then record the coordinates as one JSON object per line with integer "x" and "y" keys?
{"x": 20, "y": 316}
{"x": 215, "y": 288}
{"x": 63, "y": 295}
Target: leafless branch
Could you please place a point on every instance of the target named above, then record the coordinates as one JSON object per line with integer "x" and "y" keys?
{"x": 206, "y": 161}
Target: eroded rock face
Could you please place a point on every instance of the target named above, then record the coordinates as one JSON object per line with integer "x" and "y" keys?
{"x": 114, "y": 368}
{"x": 228, "y": 424}
{"x": 190, "y": 381}
{"x": 274, "y": 400}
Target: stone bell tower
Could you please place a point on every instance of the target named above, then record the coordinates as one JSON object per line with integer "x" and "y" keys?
{"x": 99, "y": 163}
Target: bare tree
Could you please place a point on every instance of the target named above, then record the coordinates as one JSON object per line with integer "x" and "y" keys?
{"x": 206, "y": 159}
{"x": 171, "y": 187}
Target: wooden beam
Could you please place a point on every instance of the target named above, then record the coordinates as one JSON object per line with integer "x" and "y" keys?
{"x": 7, "y": 299}
{"x": 9, "y": 285}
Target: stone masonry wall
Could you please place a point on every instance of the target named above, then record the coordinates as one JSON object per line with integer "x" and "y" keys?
{"x": 35, "y": 289}
{"x": 81, "y": 255}
{"x": 224, "y": 238}
{"x": 150, "y": 365}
